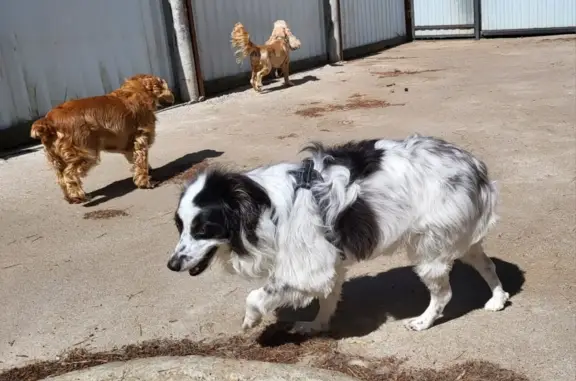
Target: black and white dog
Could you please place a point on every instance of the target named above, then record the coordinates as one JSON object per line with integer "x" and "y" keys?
{"x": 301, "y": 225}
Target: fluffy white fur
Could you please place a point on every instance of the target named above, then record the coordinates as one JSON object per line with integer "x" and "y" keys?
{"x": 426, "y": 194}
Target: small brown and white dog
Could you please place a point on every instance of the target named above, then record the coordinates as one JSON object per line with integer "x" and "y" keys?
{"x": 123, "y": 121}
{"x": 275, "y": 53}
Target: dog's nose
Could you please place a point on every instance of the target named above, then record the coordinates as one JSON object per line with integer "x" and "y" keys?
{"x": 175, "y": 264}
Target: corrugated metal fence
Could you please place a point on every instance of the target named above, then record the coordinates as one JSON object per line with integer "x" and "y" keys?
{"x": 48, "y": 55}
{"x": 214, "y": 20}
{"x": 454, "y": 18}
{"x": 467, "y": 18}
{"x": 64, "y": 49}
{"x": 521, "y": 16}
{"x": 371, "y": 22}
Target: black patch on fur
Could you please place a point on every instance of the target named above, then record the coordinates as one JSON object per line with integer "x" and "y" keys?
{"x": 473, "y": 180}
{"x": 232, "y": 204}
{"x": 362, "y": 158}
{"x": 357, "y": 230}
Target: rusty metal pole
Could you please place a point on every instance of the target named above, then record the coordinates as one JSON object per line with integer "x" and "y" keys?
{"x": 186, "y": 70}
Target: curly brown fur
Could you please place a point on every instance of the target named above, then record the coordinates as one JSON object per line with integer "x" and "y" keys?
{"x": 275, "y": 53}
{"x": 123, "y": 121}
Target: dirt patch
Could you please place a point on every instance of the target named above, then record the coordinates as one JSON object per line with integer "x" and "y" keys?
{"x": 559, "y": 39}
{"x": 355, "y": 101}
{"x": 282, "y": 137}
{"x": 396, "y": 72}
{"x": 318, "y": 352}
{"x": 188, "y": 174}
{"x": 105, "y": 214}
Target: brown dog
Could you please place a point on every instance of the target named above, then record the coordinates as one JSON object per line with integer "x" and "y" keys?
{"x": 123, "y": 121}
{"x": 275, "y": 53}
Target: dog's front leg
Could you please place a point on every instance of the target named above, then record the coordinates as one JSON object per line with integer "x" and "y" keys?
{"x": 267, "y": 299}
{"x": 328, "y": 305}
{"x": 285, "y": 71}
{"x": 259, "y": 303}
{"x": 140, "y": 158}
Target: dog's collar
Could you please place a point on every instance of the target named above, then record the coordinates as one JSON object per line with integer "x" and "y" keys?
{"x": 306, "y": 176}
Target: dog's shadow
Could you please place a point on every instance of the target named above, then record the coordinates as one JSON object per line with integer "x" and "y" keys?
{"x": 295, "y": 81}
{"x": 368, "y": 301}
{"x": 161, "y": 174}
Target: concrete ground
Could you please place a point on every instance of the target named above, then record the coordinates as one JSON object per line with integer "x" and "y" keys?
{"x": 68, "y": 282}
{"x": 194, "y": 368}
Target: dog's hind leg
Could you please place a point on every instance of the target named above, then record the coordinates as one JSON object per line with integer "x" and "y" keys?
{"x": 435, "y": 276}
{"x": 140, "y": 158}
{"x": 266, "y": 68}
{"x": 72, "y": 175}
{"x": 58, "y": 164}
{"x": 476, "y": 258}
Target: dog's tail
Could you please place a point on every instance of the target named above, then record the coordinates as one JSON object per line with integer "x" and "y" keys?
{"x": 488, "y": 201}
{"x": 241, "y": 42}
{"x": 42, "y": 129}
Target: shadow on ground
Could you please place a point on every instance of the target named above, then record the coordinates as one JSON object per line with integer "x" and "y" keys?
{"x": 295, "y": 81}
{"x": 161, "y": 175}
{"x": 368, "y": 301}
{"x": 7, "y": 155}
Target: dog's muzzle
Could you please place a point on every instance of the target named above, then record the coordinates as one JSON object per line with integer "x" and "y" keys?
{"x": 177, "y": 262}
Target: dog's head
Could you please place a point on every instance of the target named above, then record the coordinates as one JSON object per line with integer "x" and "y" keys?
{"x": 281, "y": 30}
{"x": 217, "y": 213}
{"x": 155, "y": 86}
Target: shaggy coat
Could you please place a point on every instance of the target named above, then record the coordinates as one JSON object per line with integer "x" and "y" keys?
{"x": 275, "y": 53}
{"x": 123, "y": 121}
{"x": 301, "y": 225}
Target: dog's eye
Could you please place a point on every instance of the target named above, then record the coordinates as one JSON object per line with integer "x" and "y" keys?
{"x": 208, "y": 230}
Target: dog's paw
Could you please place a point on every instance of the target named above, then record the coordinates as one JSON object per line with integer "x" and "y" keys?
{"x": 497, "y": 302}
{"x": 250, "y": 322}
{"x": 77, "y": 199}
{"x": 310, "y": 327}
{"x": 149, "y": 184}
{"x": 418, "y": 324}
{"x": 289, "y": 83}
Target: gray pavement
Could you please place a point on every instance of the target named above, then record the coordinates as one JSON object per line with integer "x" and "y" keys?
{"x": 69, "y": 282}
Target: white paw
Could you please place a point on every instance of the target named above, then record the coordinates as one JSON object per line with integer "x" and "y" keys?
{"x": 309, "y": 327}
{"x": 497, "y": 302}
{"x": 251, "y": 321}
{"x": 418, "y": 324}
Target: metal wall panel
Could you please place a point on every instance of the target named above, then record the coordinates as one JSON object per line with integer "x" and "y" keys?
{"x": 51, "y": 51}
{"x": 438, "y": 13}
{"x": 528, "y": 14}
{"x": 214, "y": 20}
{"x": 369, "y": 21}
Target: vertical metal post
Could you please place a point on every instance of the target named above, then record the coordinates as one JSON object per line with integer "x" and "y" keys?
{"x": 193, "y": 38}
{"x": 333, "y": 30}
{"x": 412, "y": 20}
{"x": 477, "y": 19}
{"x": 409, "y": 19}
{"x": 186, "y": 71}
